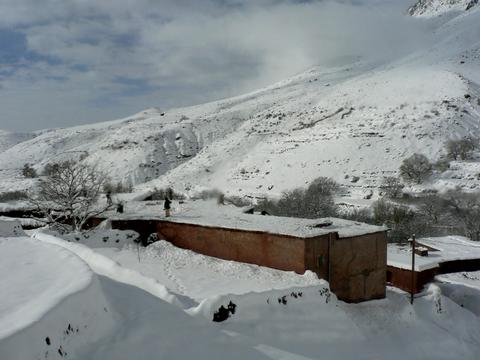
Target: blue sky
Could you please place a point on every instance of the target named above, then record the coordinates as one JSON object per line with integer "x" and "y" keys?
{"x": 81, "y": 61}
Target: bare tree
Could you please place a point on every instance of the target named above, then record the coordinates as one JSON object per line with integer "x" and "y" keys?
{"x": 402, "y": 221}
{"x": 68, "y": 195}
{"x": 416, "y": 168}
{"x": 462, "y": 148}
{"x": 466, "y": 208}
{"x": 392, "y": 187}
{"x": 314, "y": 202}
{"x": 432, "y": 207}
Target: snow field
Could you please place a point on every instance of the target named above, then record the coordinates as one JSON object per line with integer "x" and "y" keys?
{"x": 318, "y": 326}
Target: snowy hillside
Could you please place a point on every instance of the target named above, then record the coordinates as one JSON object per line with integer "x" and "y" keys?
{"x": 355, "y": 124}
{"x": 9, "y": 139}
{"x": 429, "y": 8}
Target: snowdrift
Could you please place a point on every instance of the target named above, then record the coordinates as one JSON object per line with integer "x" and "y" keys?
{"x": 52, "y": 303}
{"x": 312, "y": 323}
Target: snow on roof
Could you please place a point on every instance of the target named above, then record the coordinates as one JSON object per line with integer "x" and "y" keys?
{"x": 449, "y": 248}
{"x": 38, "y": 285}
{"x": 209, "y": 213}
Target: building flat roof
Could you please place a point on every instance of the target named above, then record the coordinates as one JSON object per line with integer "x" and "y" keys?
{"x": 209, "y": 213}
{"x": 450, "y": 248}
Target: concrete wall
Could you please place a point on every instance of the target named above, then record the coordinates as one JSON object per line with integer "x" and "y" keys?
{"x": 358, "y": 267}
{"x": 275, "y": 251}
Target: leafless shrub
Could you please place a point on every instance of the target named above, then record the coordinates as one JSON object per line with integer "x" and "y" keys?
{"x": 392, "y": 187}
{"x": 161, "y": 194}
{"x": 466, "y": 209}
{"x": 432, "y": 207}
{"x": 314, "y": 202}
{"x": 118, "y": 188}
{"x": 28, "y": 171}
{"x": 208, "y": 194}
{"x": 441, "y": 165}
{"x": 462, "y": 148}
{"x": 401, "y": 220}
{"x": 358, "y": 214}
{"x": 50, "y": 168}
{"x": 416, "y": 168}
{"x": 13, "y": 195}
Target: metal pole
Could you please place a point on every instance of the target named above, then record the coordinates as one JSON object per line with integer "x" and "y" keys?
{"x": 412, "y": 289}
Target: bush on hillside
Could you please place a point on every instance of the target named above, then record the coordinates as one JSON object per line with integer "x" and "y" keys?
{"x": 392, "y": 187}
{"x": 401, "y": 220}
{"x": 314, "y": 202}
{"x": 28, "y": 171}
{"x": 13, "y": 195}
{"x": 118, "y": 188}
{"x": 465, "y": 207}
{"x": 416, "y": 168}
{"x": 161, "y": 194}
{"x": 462, "y": 148}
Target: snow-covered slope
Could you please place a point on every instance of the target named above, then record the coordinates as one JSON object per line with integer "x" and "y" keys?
{"x": 348, "y": 123}
{"x": 429, "y": 8}
{"x": 9, "y": 139}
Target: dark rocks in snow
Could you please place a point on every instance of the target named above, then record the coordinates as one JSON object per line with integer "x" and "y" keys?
{"x": 231, "y": 307}
{"x": 471, "y": 4}
{"x": 47, "y": 340}
{"x": 223, "y": 313}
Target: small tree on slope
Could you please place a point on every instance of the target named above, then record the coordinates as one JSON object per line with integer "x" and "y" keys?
{"x": 416, "y": 168}
{"x": 69, "y": 194}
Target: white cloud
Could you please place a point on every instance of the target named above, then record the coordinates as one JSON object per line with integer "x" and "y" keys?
{"x": 124, "y": 55}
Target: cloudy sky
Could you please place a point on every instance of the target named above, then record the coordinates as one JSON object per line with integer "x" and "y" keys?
{"x": 81, "y": 61}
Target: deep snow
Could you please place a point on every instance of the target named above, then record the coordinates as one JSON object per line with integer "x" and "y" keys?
{"x": 122, "y": 310}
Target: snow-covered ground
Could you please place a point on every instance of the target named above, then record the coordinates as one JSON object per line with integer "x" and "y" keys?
{"x": 198, "y": 277}
{"x": 101, "y": 296}
{"x": 278, "y": 315}
{"x": 51, "y": 304}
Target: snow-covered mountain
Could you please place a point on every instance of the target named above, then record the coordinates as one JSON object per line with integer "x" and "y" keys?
{"x": 355, "y": 124}
{"x": 428, "y": 8}
{"x": 9, "y": 139}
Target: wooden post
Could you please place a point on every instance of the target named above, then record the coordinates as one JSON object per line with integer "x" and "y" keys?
{"x": 412, "y": 289}
{"x": 329, "y": 259}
